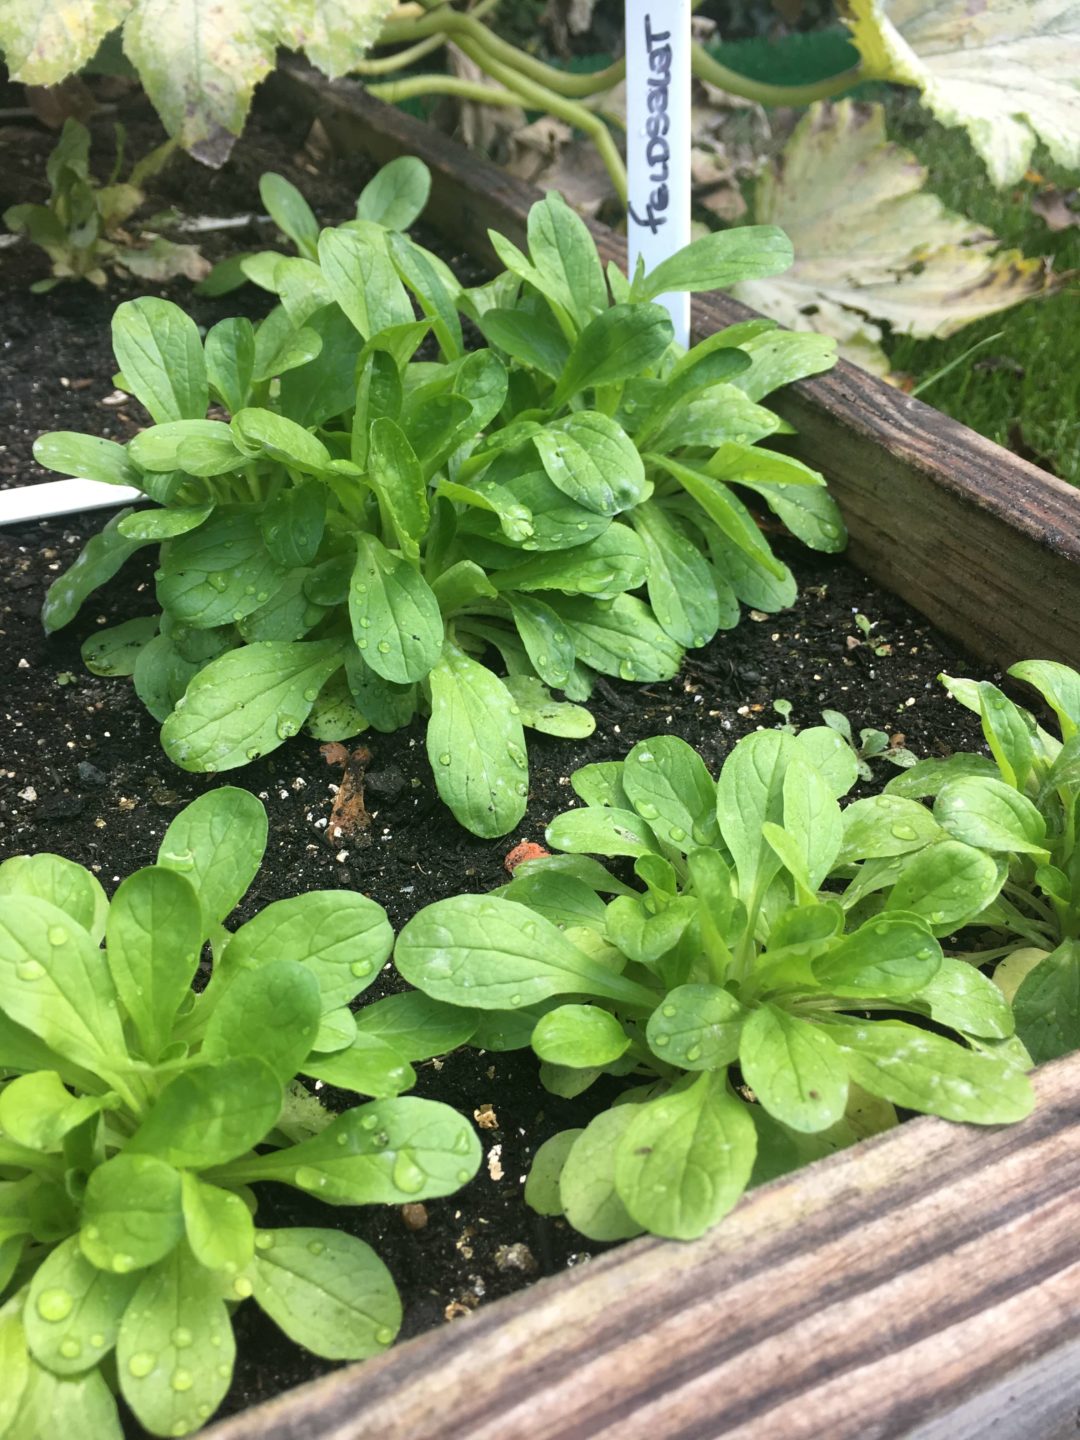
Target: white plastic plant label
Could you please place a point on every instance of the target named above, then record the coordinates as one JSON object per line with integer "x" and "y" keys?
{"x": 658, "y": 139}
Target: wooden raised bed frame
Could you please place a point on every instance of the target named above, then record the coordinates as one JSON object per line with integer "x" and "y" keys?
{"x": 924, "y": 1284}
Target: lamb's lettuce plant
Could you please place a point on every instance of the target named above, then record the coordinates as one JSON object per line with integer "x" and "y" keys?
{"x": 998, "y": 849}
{"x": 764, "y": 1023}
{"x": 346, "y": 531}
{"x": 136, "y": 1113}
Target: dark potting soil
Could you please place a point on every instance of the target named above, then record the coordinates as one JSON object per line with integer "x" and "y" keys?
{"x": 81, "y": 772}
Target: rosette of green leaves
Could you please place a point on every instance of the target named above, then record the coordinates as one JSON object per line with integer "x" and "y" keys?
{"x": 763, "y": 1022}
{"x": 996, "y": 848}
{"x": 136, "y": 1114}
{"x": 366, "y": 528}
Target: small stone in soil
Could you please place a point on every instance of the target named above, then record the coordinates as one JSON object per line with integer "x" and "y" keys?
{"x": 486, "y": 1118}
{"x": 414, "y": 1215}
{"x": 516, "y": 1257}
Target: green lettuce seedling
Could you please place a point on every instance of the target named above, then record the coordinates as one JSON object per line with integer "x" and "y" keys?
{"x": 80, "y": 228}
{"x": 138, "y": 1112}
{"x": 763, "y": 1024}
{"x": 997, "y": 849}
{"x": 351, "y": 532}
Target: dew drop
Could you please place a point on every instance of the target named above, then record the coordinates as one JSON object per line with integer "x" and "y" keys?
{"x": 360, "y": 968}
{"x": 369, "y": 1122}
{"x": 30, "y": 970}
{"x": 463, "y": 1143}
{"x": 384, "y": 1335}
{"x": 242, "y": 1286}
{"x": 677, "y": 833}
{"x": 141, "y": 1363}
{"x": 97, "y": 1341}
{"x": 264, "y": 1240}
{"x": 57, "y": 935}
{"x": 406, "y": 1174}
{"x": 647, "y": 811}
{"x": 123, "y": 1264}
{"x": 463, "y": 1177}
{"x": 70, "y": 1348}
{"x": 383, "y": 647}
{"x": 316, "y": 1247}
{"x": 661, "y": 1041}
{"x": 694, "y": 1053}
{"x": 668, "y": 1011}
{"x": 626, "y": 670}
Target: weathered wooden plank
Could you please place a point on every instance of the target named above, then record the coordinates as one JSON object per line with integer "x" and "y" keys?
{"x": 983, "y": 543}
{"x": 923, "y": 1284}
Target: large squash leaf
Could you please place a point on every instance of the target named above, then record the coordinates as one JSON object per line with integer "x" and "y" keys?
{"x": 1008, "y": 71}
{"x": 199, "y": 60}
{"x": 871, "y": 245}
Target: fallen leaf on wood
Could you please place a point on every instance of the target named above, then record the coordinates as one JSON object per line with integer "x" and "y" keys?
{"x": 871, "y": 245}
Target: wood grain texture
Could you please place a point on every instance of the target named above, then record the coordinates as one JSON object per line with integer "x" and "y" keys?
{"x": 986, "y": 545}
{"x": 924, "y": 1284}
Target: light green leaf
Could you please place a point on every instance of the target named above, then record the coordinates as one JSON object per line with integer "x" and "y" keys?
{"x": 229, "y": 349}
{"x": 87, "y": 456}
{"x": 1058, "y": 685}
{"x": 397, "y": 194}
{"x": 750, "y": 791}
{"x": 219, "y": 573}
{"x": 667, "y": 783}
{"x": 602, "y": 568}
{"x": 416, "y": 1026}
{"x": 362, "y": 278}
{"x": 591, "y": 459}
{"x": 620, "y": 638}
{"x": 683, "y": 592}
{"x": 341, "y": 936}
{"x": 131, "y": 1213}
{"x": 587, "y": 1193}
{"x": 964, "y": 999}
{"x": 926, "y": 1072}
{"x": 368, "y": 1065}
{"x": 68, "y": 1405}
{"x": 290, "y": 212}
{"x": 328, "y": 1291}
{"x": 99, "y": 560}
{"x": 544, "y": 637}
{"x": 1047, "y": 1004}
{"x": 245, "y": 703}
{"x": 719, "y": 261}
{"x": 62, "y": 883}
{"x": 793, "y": 1068}
{"x": 175, "y": 1350}
{"x": 45, "y": 43}
{"x": 881, "y": 825}
{"x": 154, "y": 934}
{"x": 403, "y": 633}
{"x": 385, "y": 1153}
{"x": 53, "y": 983}
{"x": 271, "y": 1013}
{"x": 218, "y": 1225}
{"x": 92, "y": 1302}
{"x": 564, "y": 254}
{"x": 697, "y": 1027}
{"x": 993, "y": 816}
{"x": 948, "y": 884}
{"x": 493, "y": 954}
{"x": 685, "y": 1158}
{"x": 620, "y": 343}
{"x": 539, "y": 710}
{"x": 36, "y": 1110}
{"x": 542, "y": 1192}
{"x": 892, "y": 956}
{"x": 210, "y": 1115}
{"x": 607, "y": 831}
{"x": 157, "y": 347}
{"x": 217, "y": 843}
{"x": 280, "y": 439}
{"x": 475, "y": 745}
{"x": 579, "y": 1036}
